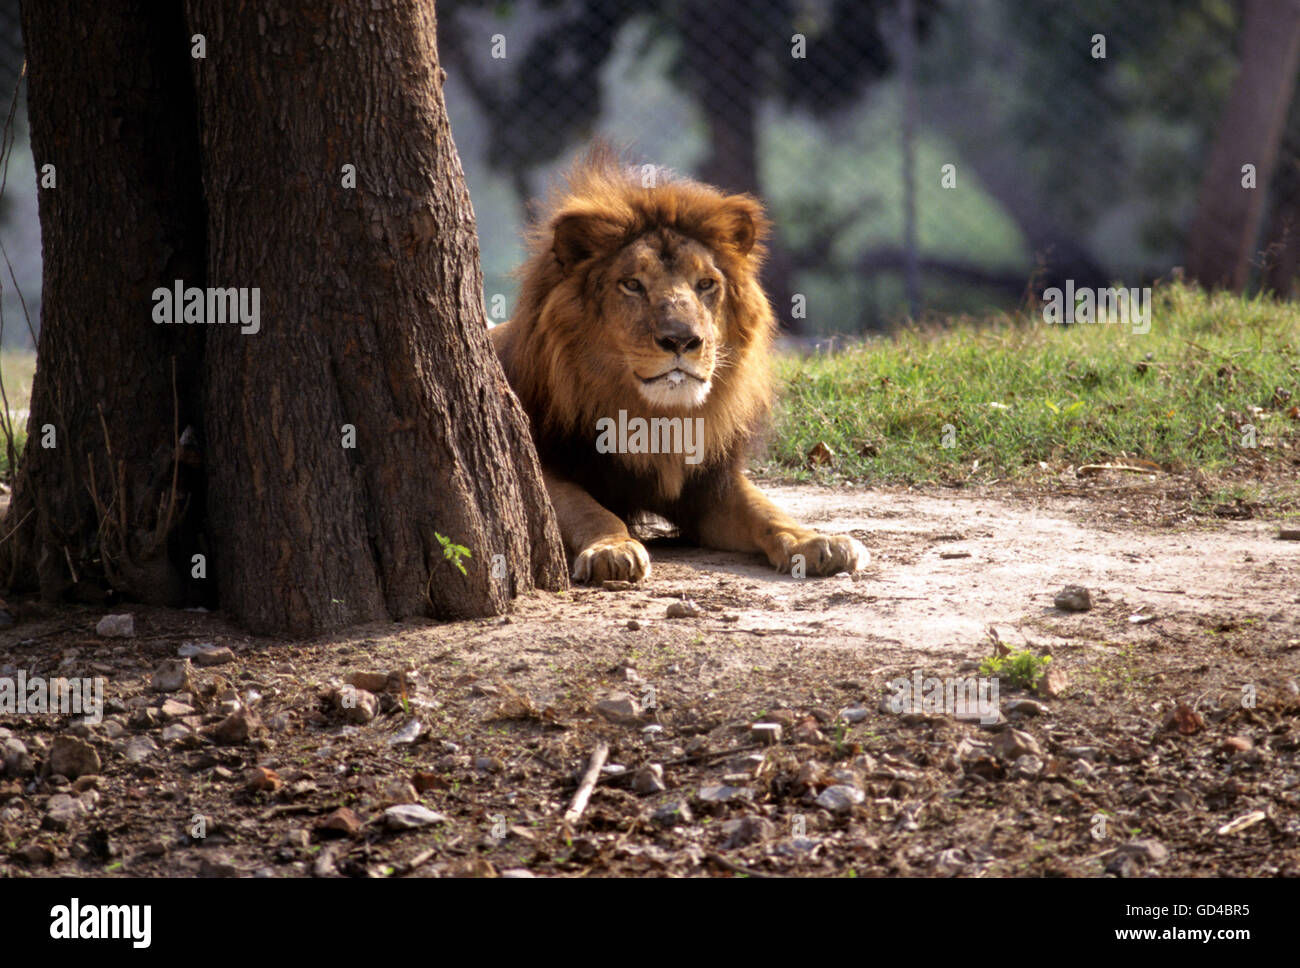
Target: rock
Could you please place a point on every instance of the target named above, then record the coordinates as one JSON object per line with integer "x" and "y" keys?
{"x": 489, "y": 764}
{"x": 950, "y": 862}
{"x": 683, "y": 609}
{"x": 617, "y": 586}
{"x": 214, "y": 656}
{"x": 176, "y": 732}
{"x": 747, "y": 830}
{"x": 1053, "y": 684}
{"x": 1011, "y": 744}
{"x": 1026, "y": 707}
{"x": 1236, "y": 744}
{"x": 171, "y": 676}
{"x": 620, "y": 708}
{"x": 72, "y": 757}
{"x": 673, "y": 813}
{"x": 407, "y": 816}
{"x": 342, "y": 822}
{"x": 407, "y": 734}
{"x": 116, "y": 626}
{"x": 519, "y": 872}
{"x": 854, "y": 714}
{"x": 649, "y": 779}
{"x": 154, "y": 848}
{"x": 394, "y": 790}
{"x": 1027, "y": 767}
{"x": 17, "y": 760}
{"x": 218, "y": 866}
{"x": 61, "y": 811}
{"x": 840, "y": 797}
{"x": 259, "y": 779}
{"x": 1128, "y": 859}
{"x": 633, "y": 625}
{"x": 425, "y": 781}
{"x": 769, "y": 733}
{"x": 357, "y": 705}
{"x": 297, "y": 837}
{"x": 237, "y": 728}
{"x": 721, "y": 793}
{"x": 174, "y": 709}
{"x": 1073, "y": 598}
{"x": 369, "y": 681}
{"x": 37, "y": 855}
{"x": 140, "y": 748}
{"x": 86, "y": 782}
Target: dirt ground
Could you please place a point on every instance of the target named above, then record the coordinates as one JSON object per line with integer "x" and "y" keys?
{"x": 1164, "y": 743}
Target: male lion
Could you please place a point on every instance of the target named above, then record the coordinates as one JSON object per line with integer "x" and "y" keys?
{"x": 644, "y": 302}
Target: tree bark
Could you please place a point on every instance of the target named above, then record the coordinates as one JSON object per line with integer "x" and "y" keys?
{"x": 1228, "y": 214}
{"x": 110, "y": 108}
{"x": 227, "y": 170}
{"x": 371, "y": 318}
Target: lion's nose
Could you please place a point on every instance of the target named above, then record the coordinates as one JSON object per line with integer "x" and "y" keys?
{"x": 677, "y": 336}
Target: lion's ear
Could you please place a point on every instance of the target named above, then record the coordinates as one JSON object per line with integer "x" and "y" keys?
{"x": 742, "y": 223}
{"x": 579, "y": 236}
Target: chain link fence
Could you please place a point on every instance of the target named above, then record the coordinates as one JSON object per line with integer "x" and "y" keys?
{"x": 917, "y": 156}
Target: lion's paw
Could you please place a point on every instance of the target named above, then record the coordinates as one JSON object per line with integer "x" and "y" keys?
{"x": 612, "y": 559}
{"x": 826, "y": 554}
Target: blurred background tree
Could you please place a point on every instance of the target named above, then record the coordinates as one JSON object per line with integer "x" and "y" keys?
{"x": 1070, "y": 159}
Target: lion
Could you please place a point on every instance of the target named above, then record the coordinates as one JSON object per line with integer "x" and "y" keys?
{"x": 641, "y": 352}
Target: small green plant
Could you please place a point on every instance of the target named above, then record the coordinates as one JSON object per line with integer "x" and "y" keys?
{"x": 453, "y": 552}
{"x": 1022, "y": 669}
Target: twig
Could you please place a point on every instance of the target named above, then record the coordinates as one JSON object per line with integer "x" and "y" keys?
{"x": 1163, "y": 591}
{"x": 579, "y": 803}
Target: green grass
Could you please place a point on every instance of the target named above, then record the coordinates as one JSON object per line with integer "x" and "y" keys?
{"x": 17, "y": 367}
{"x": 1012, "y": 391}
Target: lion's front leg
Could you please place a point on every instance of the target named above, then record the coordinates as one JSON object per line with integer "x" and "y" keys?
{"x": 598, "y": 539}
{"x": 739, "y": 518}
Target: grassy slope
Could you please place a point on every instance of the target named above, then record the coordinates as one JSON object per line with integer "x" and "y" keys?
{"x": 1016, "y": 391}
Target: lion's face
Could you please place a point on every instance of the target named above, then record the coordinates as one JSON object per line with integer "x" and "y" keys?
{"x": 660, "y": 302}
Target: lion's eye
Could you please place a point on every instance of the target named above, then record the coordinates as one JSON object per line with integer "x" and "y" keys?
{"x": 704, "y": 285}
{"x": 630, "y": 285}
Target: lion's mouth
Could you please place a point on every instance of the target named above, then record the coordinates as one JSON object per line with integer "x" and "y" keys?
{"x": 675, "y": 377}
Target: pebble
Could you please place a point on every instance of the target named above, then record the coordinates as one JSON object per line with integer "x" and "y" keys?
{"x": 683, "y": 609}
{"x": 649, "y": 779}
{"x": 369, "y": 681}
{"x": 117, "y": 626}
{"x": 721, "y": 793}
{"x": 72, "y": 757}
{"x": 38, "y": 855}
{"x": 1026, "y": 707}
{"x": 342, "y": 822}
{"x": 1073, "y": 598}
{"x": 620, "y": 708}
{"x": 840, "y": 797}
{"x": 356, "y": 704}
{"x": 171, "y": 676}
{"x": 140, "y": 748}
{"x": 1011, "y": 744}
{"x": 408, "y": 816}
{"x": 854, "y": 714}
{"x": 236, "y": 728}
{"x": 744, "y": 831}
{"x": 61, "y": 810}
{"x": 768, "y": 733}
{"x": 214, "y": 656}
{"x": 672, "y": 813}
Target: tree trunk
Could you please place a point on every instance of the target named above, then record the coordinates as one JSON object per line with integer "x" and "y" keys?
{"x": 1228, "y": 214}
{"x": 110, "y": 107}
{"x": 372, "y": 327}
{"x": 366, "y": 424}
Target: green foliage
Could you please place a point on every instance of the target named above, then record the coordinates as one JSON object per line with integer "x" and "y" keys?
{"x": 453, "y": 552}
{"x": 1022, "y": 669}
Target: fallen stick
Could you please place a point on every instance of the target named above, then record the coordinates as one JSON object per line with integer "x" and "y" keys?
{"x": 588, "y": 783}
